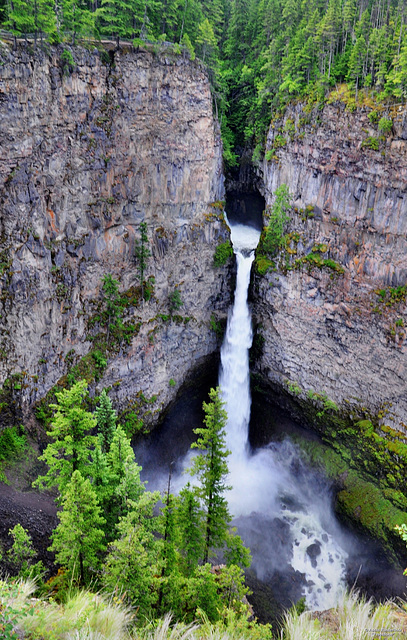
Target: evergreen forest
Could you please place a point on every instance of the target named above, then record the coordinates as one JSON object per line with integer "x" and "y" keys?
{"x": 260, "y": 54}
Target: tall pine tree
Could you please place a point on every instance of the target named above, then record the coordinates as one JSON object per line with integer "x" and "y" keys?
{"x": 78, "y": 540}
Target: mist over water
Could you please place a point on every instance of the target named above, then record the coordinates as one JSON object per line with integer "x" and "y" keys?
{"x": 283, "y": 509}
{"x": 273, "y": 493}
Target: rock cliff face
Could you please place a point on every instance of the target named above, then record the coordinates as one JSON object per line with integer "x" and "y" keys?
{"x": 88, "y": 150}
{"x": 334, "y": 316}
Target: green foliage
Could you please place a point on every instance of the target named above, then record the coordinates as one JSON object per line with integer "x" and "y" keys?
{"x": 13, "y": 443}
{"x": 279, "y": 142}
{"x": 216, "y": 326}
{"x": 190, "y": 519}
{"x": 314, "y": 259}
{"x": 22, "y": 553}
{"x": 186, "y": 42}
{"x": 359, "y": 498}
{"x": 174, "y": 300}
{"x": 210, "y": 468}
{"x": 293, "y": 387}
{"x": 371, "y": 143}
{"x": 99, "y": 359}
{"x": 78, "y": 539}
{"x": 13, "y": 608}
{"x": 385, "y": 125}
{"x": 71, "y": 440}
{"x": 106, "y": 421}
{"x": 223, "y": 252}
{"x": 263, "y": 264}
{"x": 272, "y": 236}
{"x": 373, "y": 116}
{"x": 68, "y": 62}
{"x": 112, "y": 303}
{"x": 148, "y": 288}
{"x": 134, "y": 562}
{"x": 392, "y": 296}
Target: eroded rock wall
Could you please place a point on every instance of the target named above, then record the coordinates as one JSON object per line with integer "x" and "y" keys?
{"x": 342, "y": 334}
{"x": 88, "y": 150}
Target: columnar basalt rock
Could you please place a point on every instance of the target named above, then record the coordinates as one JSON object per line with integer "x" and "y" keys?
{"x": 88, "y": 151}
{"x": 341, "y": 333}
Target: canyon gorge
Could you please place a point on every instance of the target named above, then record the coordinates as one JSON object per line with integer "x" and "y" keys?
{"x": 91, "y": 149}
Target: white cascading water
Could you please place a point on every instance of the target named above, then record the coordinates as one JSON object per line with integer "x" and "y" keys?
{"x": 234, "y": 377}
{"x": 265, "y": 483}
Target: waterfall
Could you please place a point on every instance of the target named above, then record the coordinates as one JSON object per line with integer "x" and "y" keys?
{"x": 234, "y": 379}
{"x": 274, "y": 485}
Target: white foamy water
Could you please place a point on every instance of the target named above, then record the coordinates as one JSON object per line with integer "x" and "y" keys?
{"x": 265, "y": 483}
{"x": 234, "y": 378}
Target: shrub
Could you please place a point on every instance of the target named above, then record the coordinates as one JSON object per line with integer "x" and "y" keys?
{"x": 278, "y": 218}
{"x": 371, "y": 143}
{"x": 263, "y": 264}
{"x": 385, "y": 125}
{"x": 12, "y": 444}
{"x": 148, "y": 288}
{"x": 216, "y": 326}
{"x": 373, "y": 117}
{"x": 279, "y": 141}
{"x": 174, "y": 300}
{"x": 223, "y": 252}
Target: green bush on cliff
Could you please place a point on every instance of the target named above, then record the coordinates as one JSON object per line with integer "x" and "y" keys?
{"x": 223, "y": 252}
{"x": 385, "y": 125}
{"x": 315, "y": 259}
{"x": 278, "y": 215}
{"x": 371, "y": 142}
{"x": 262, "y": 264}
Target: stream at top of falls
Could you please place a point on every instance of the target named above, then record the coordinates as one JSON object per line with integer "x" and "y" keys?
{"x": 272, "y": 483}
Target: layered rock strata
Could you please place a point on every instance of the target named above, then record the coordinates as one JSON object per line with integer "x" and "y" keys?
{"x": 333, "y": 315}
{"x": 91, "y": 145}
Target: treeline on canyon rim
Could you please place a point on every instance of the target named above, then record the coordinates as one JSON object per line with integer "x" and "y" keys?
{"x": 261, "y": 54}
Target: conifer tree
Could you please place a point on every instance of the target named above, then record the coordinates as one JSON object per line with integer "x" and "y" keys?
{"x": 119, "y": 453}
{"x": 77, "y": 18}
{"x": 117, "y": 18}
{"x": 101, "y": 477}
{"x": 210, "y": 468}
{"x": 134, "y": 562}
{"x": 20, "y": 17}
{"x": 190, "y": 520}
{"x": 113, "y": 306}
{"x": 124, "y": 480}
{"x": 208, "y": 46}
{"x": 78, "y": 540}
{"x": 72, "y": 441}
{"x": 106, "y": 421}
{"x": 22, "y": 552}
{"x": 45, "y": 18}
